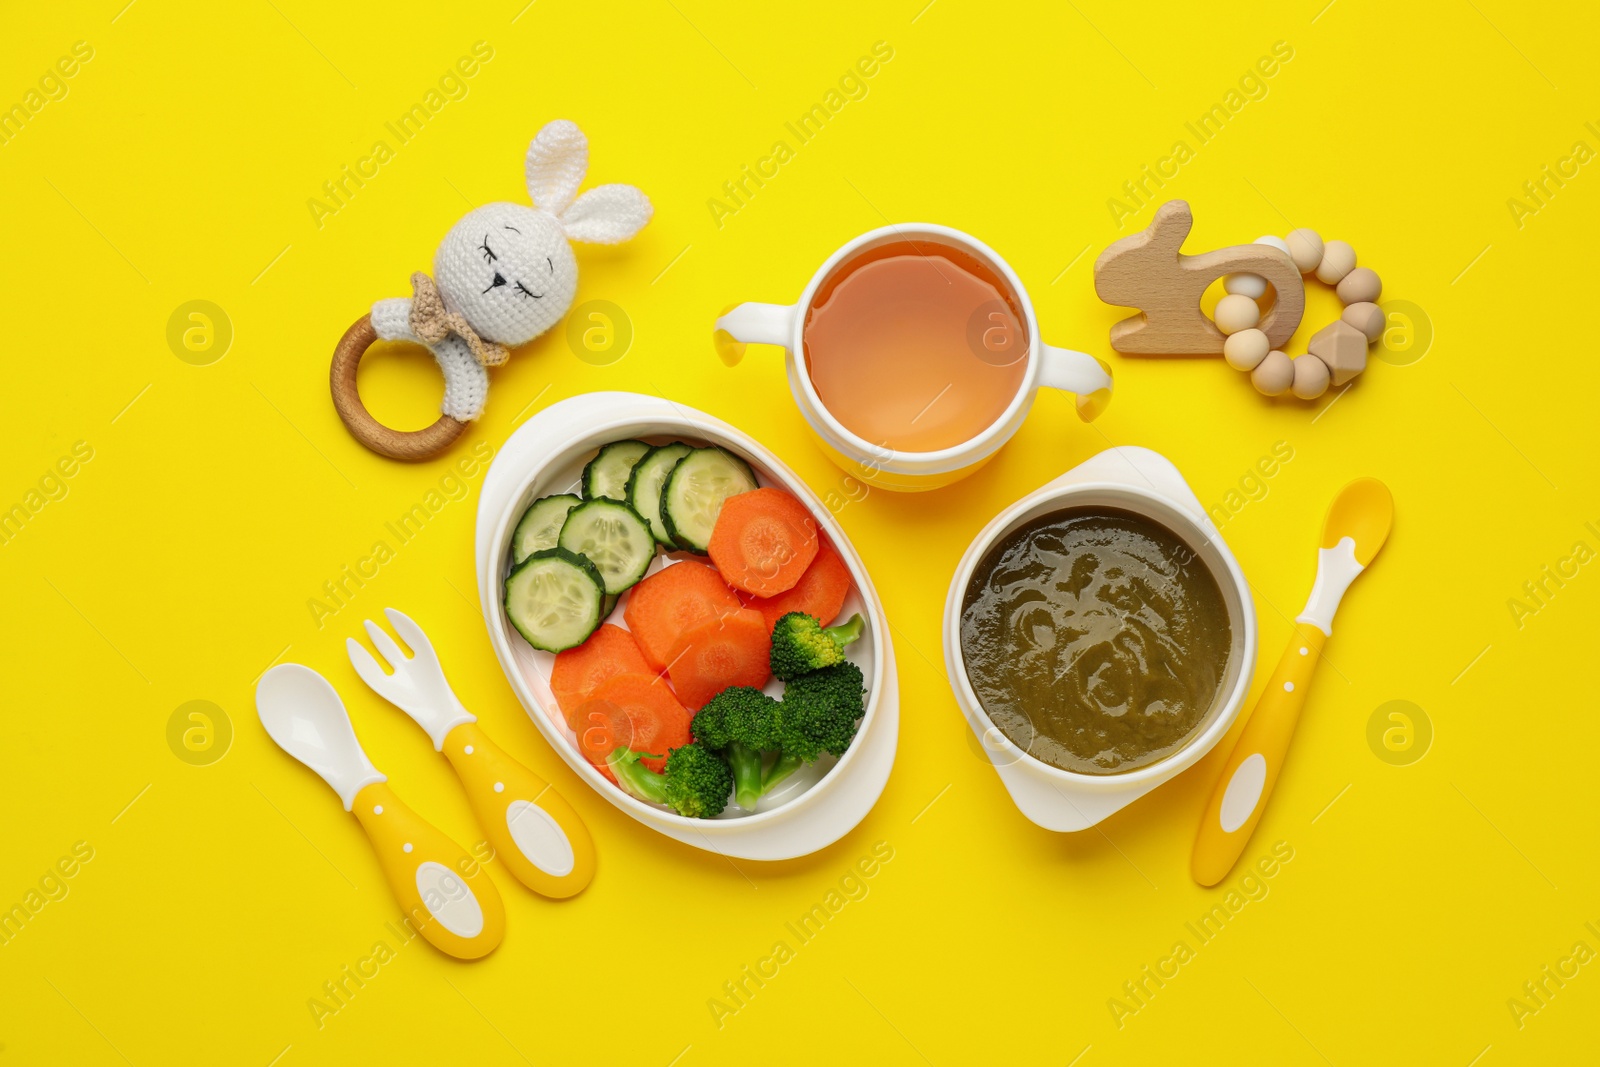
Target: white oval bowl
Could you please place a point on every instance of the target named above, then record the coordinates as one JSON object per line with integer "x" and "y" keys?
{"x": 820, "y": 803}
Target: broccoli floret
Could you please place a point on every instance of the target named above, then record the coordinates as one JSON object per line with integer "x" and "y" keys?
{"x": 842, "y": 686}
{"x": 695, "y": 782}
{"x": 751, "y": 719}
{"x": 765, "y": 741}
{"x": 708, "y": 725}
{"x": 698, "y": 782}
{"x": 800, "y": 645}
{"x": 742, "y": 723}
{"x": 818, "y": 714}
{"x": 814, "y": 723}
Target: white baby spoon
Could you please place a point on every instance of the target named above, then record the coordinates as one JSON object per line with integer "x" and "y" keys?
{"x": 444, "y": 891}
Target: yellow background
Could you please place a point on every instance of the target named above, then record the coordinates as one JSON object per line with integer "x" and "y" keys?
{"x": 179, "y": 564}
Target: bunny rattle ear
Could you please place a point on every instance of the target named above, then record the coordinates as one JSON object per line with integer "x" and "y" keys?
{"x": 607, "y": 214}
{"x": 558, "y": 158}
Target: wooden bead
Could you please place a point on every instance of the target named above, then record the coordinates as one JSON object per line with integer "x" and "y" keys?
{"x": 1310, "y": 377}
{"x": 1338, "y": 259}
{"x": 1235, "y": 313}
{"x": 1252, "y": 285}
{"x": 1366, "y": 317}
{"x": 1274, "y": 375}
{"x": 1342, "y": 347}
{"x": 1245, "y": 350}
{"x": 1360, "y": 286}
{"x": 1305, "y": 248}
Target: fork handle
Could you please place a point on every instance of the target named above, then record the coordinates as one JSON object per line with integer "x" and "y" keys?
{"x": 531, "y": 827}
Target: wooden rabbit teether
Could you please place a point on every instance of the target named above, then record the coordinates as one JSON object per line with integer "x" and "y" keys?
{"x": 1148, "y": 271}
{"x": 503, "y": 275}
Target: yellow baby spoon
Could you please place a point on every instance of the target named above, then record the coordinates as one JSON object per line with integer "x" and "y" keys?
{"x": 446, "y": 894}
{"x": 1357, "y": 525}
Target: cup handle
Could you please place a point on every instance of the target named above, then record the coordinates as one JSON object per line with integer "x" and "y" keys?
{"x": 758, "y": 324}
{"x": 1078, "y": 373}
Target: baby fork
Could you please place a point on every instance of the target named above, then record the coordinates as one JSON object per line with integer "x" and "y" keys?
{"x": 532, "y": 828}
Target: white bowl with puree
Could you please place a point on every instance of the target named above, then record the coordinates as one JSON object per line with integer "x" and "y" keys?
{"x": 1100, "y": 638}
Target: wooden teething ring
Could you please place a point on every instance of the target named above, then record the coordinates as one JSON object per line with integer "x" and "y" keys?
{"x": 1336, "y": 353}
{"x": 410, "y": 445}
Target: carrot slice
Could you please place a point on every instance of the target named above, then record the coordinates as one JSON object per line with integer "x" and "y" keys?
{"x": 667, "y": 603}
{"x": 605, "y": 771}
{"x": 820, "y": 591}
{"x": 763, "y": 541}
{"x": 636, "y": 710}
{"x": 733, "y": 650}
{"x": 578, "y": 672}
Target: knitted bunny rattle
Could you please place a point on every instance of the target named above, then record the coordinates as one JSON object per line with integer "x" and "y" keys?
{"x": 502, "y": 276}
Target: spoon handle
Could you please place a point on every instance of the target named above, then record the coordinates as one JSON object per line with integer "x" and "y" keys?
{"x": 534, "y": 831}
{"x": 1252, "y": 770}
{"x": 446, "y": 894}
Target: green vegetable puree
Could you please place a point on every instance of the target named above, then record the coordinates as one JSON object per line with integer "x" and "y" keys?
{"x": 1095, "y": 639}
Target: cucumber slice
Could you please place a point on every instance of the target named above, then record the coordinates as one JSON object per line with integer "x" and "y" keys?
{"x": 614, "y": 538}
{"x": 606, "y": 476}
{"x": 695, "y": 490}
{"x": 607, "y": 606}
{"x": 540, "y": 525}
{"x": 553, "y": 598}
{"x": 645, "y": 484}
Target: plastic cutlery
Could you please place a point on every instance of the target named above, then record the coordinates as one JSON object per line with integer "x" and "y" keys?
{"x": 1357, "y": 525}
{"x": 534, "y": 831}
{"x": 445, "y": 892}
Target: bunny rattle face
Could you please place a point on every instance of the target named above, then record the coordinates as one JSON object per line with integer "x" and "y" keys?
{"x": 509, "y": 270}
